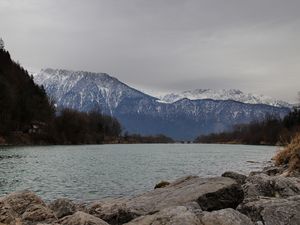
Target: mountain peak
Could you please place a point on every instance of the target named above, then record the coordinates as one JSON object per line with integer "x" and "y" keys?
{"x": 85, "y": 91}
{"x": 223, "y": 94}
{"x": 65, "y": 72}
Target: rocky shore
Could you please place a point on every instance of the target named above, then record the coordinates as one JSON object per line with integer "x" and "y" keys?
{"x": 267, "y": 197}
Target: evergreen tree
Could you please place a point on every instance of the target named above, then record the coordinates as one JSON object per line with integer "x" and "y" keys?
{"x": 1, "y": 44}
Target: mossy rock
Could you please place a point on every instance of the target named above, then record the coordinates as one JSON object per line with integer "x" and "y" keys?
{"x": 162, "y": 184}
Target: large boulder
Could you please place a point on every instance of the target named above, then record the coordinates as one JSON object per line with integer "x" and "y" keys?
{"x": 62, "y": 207}
{"x": 225, "y": 217}
{"x": 25, "y": 207}
{"x": 81, "y": 218}
{"x": 272, "y": 211}
{"x": 177, "y": 215}
{"x": 210, "y": 193}
{"x": 271, "y": 186}
{"x": 38, "y": 212}
{"x": 20, "y": 201}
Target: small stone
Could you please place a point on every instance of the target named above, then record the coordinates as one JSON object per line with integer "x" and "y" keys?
{"x": 239, "y": 178}
{"x": 62, "y": 207}
{"x": 162, "y": 184}
{"x": 225, "y": 217}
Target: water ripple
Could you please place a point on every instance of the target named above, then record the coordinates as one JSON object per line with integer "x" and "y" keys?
{"x": 99, "y": 171}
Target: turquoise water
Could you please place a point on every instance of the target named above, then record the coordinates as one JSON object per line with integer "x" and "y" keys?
{"x": 96, "y": 171}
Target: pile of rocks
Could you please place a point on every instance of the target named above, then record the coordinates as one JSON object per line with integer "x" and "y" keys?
{"x": 262, "y": 198}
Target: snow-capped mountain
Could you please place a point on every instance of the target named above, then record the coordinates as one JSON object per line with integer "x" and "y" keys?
{"x": 182, "y": 119}
{"x": 85, "y": 91}
{"x": 223, "y": 94}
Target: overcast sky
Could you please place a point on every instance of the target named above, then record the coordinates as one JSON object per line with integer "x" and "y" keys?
{"x": 162, "y": 45}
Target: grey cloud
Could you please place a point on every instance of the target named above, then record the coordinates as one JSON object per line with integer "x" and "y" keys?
{"x": 162, "y": 45}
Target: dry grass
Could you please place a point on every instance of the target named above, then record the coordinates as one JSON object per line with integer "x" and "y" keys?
{"x": 290, "y": 155}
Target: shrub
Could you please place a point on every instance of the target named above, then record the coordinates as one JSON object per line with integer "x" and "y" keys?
{"x": 290, "y": 155}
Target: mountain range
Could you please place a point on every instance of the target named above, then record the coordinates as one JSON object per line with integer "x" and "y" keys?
{"x": 182, "y": 116}
{"x": 224, "y": 94}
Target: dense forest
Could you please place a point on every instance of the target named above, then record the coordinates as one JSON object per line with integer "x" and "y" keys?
{"x": 27, "y": 116}
{"x": 21, "y": 101}
{"x": 270, "y": 131}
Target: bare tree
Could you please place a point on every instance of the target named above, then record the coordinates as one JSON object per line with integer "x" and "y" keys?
{"x": 1, "y": 44}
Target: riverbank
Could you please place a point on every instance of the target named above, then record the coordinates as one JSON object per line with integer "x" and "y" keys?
{"x": 266, "y": 197}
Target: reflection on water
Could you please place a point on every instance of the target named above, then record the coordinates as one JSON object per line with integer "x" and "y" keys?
{"x": 9, "y": 157}
{"x": 97, "y": 171}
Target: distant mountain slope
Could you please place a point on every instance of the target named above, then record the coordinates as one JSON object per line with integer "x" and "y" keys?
{"x": 86, "y": 91}
{"x": 224, "y": 94}
{"x": 144, "y": 114}
{"x": 184, "y": 119}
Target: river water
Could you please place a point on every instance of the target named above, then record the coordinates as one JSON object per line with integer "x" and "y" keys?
{"x": 91, "y": 172}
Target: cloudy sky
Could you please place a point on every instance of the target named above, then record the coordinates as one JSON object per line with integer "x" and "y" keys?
{"x": 162, "y": 45}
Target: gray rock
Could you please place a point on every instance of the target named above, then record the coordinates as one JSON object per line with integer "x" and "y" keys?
{"x": 273, "y": 211}
{"x": 225, "y": 217}
{"x": 239, "y": 178}
{"x": 7, "y": 215}
{"x": 209, "y": 193}
{"x": 62, "y": 207}
{"x": 259, "y": 223}
{"x": 38, "y": 212}
{"x": 19, "y": 201}
{"x": 81, "y": 218}
{"x": 46, "y": 224}
{"x": 253, "y": 173}
{"x": 177, "y": 215}
{"x": 271, "y": 186}
{"x": 24, "y": 207}
{"x": 114, "y": 211}
{"x": 273, "y": 170}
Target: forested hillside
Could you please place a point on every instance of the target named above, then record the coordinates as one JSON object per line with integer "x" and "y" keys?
{"x": 22, "y": 102}
{"x": 27, "y": 116}
{"x": 269, "y": 131}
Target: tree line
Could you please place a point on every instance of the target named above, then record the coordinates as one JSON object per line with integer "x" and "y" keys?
{"x": 137, "y": 138}
{"x": 270, "y": 131}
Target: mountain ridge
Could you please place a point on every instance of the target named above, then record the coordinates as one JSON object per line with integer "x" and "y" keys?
{"x": 224, "y": 94}
{"x": 145, "y": 114}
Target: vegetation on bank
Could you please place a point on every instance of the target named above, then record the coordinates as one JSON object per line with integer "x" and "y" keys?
{"x": 271, "y": 131}
{"x": 27, "y": 116}
{"x": 73, "y": 127}
{"x": 136, "y": 138}
{"x": 290, "y": 155}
